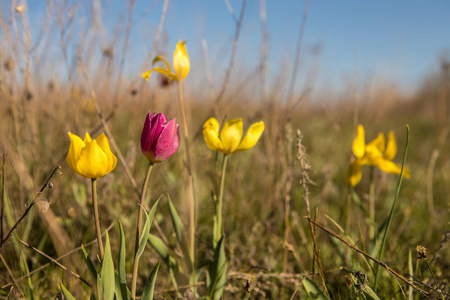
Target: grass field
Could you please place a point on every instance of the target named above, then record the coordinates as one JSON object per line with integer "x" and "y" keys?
{"x": 271, "y": 250}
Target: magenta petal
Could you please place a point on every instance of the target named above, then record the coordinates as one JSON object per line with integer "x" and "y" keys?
{"x": 168, "y": 141}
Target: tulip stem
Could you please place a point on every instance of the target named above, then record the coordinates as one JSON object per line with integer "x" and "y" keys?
{"x": 220, "y": 201}
{"x": 96, "y": 218}
{"x": 138, "y": 232}
{"x": 372, "y": 204}
{"x": 190, "y": 177}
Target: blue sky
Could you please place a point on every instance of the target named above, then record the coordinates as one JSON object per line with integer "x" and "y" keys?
{"x": 399, "y": 41}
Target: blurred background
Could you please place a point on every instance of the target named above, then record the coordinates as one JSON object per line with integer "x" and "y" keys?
{"x": 320, "y": 67}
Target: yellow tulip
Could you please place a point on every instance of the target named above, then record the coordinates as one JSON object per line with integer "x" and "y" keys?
{"x": 375, "y": 153}
{"x": 230, "y": 138}
{"x": 90, "y": 158}
{"x": 181, "y": 64}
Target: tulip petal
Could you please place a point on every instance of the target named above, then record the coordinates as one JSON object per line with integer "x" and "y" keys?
{"x": 76, "y": 144}
{"x": 161, "y": 58}
{"x": 167, "y": 73}
{"x": 391, "y": 148}
{"x": 391, "y": 167}
{"x": 211, "y": 135}
{"x": 231, "y": 135}
{"x": 254, "y": 132}
{"x": 93, "y": 161}
{"x": 359, "y": 143}
{"x": 168, "y": 141}
{"x": 378, "y": 143}
{"x": 103, "y": 143}
{"x": 354, "y": 174}
{"x": 87, "y": 138}
{"x": 181, "y": 64}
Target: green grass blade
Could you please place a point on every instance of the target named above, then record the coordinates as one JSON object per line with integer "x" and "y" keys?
{"x": 150, "y": 284}
{"x": 90, "y": 265}
{"x": 218, "y": 272}
{"x": 66, "y": 293}
{"x": 391, "y": 214}
{"x": 411, "y": 274}
{"x": 122, "y": 276}
{"x": 146, "y": 230}
{"x": 313, "y": 291}
{"x": 107, "y": 272}
{"x": 178, "y": 226}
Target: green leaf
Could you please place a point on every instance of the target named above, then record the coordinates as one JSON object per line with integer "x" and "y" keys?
{"x": 313, "y": 291}
{"x": 369, "y": 293}
{"x": 218, "y": 272}
{"x": 178, "y": 226}
{"x": 90, "y": 265}
{"x": 150, "y": 284}
{"x": 159, "y": 247}
{"x": 121, "y": 291}
{"x": 107, "y": 273}
{"x": 122, "y": 276}
{"x": 66, "y": 293}
{"x": 146, "y": 229}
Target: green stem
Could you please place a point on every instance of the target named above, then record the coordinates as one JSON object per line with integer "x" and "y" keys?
{"x": 434, "y": 278}
{"x": 96, "y": 218}
{"x": 192, "y": 205}
{"x": 391, "y": 214}
{"x": 138, "y": 232}
{"x": 220, "y": 201}
{"x": 372, "y": 204}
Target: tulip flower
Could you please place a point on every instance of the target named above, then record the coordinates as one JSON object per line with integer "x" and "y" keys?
{"x": 375, "y": 153}
{"x": 90, "y": 158}
{"x": 160, "y": 138}
{"x": 230, "y": 138}
{"x": 180, "y": 62}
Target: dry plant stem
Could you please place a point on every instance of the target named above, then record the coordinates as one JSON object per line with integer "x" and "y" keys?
{"x": 55, "y": 262}
{"x": 96, "y": 218}
{"x": 391, "y": 214}
{"x": 297, "y": 55}
{"x": 192, "y": 204}
{"x": 377, "y": 261}
{"x": 138, "y": 232}
{"x": 372, "y": 204}
{"x": 46, "y": 184}
{"x": 61, "y": 257}
{"x": 233, "y": 54}
{"x": 220, "y": 201}
{"x": 2, "y": 198}
{"x": 11, "y": 274}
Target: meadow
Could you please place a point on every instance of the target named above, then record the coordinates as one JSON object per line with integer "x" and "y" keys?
{"x": 293, "y": 227}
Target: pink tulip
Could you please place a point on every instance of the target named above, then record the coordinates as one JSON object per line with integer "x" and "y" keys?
{"x": 160, "y": 138}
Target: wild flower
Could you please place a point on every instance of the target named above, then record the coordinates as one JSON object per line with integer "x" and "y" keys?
{"x": 376, "y": 153}
{"x": 181, "y": 64}
{"x": 90, "y": 158}
{"x": 160, "y": 138}
{"x": 230, "y": 138}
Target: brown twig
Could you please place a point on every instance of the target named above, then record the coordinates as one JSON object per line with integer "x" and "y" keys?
{"x": 424, "y": 293}
{"x": 11, "y": 274}
{"x": 55, "y": 262}
{"x": 46, "y": 184}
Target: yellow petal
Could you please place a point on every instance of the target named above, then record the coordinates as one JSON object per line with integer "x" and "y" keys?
{"x": 252, "y": 137}
{"x": 211, "y": 134}
{"x": 391, "y": 167}
{"x": 76, "y": 144}
{"x": 163, "y": 71}
{"x": 354, "y": 174}
{"x": 181, "y": 64}
{"x": 87, "y": 138}
{"x": 391, "y": 148}
{"x": 378, "y": 143}
{"x": 93, "y": 161}
{"x": 103, "y": 143}
{"x": 161, "y": 58}
{"x": 359, "y": 143}
{"x": 231, "y": 135}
